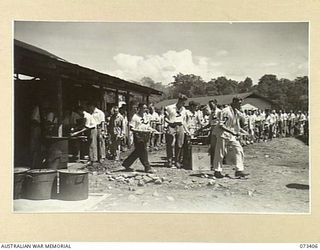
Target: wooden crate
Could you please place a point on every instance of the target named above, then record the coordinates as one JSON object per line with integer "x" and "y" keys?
{"x": 196, "y": 157}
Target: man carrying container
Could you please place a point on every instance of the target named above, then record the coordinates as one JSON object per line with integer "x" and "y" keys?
{"x": 226, "y": 133}
{"x": 140, "y": 126}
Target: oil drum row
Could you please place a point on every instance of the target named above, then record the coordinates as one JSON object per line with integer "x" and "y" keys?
{"x": 44, "y": 184}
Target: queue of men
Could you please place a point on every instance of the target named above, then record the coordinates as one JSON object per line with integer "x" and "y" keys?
{"x": 228, "y": 128}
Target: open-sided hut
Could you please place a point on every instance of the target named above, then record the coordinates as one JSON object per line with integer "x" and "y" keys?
{"x": 44, "y": 78}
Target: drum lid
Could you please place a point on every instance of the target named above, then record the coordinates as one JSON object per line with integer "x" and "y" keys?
{"x": 41, "y": 171}
{"x": 20, "y": 170}
{"x": 72, "y": 171}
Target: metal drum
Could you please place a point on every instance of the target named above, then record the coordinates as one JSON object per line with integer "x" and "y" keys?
{"x": 39, "y": 184}
{"x": 73, "y": 185}
{"x": 57, "y": 152}
{"x": 19, "y": 177}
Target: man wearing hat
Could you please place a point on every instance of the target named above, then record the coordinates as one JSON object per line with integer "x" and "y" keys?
{"x": 226, "y": 133}
{"x": 175, "y": 117}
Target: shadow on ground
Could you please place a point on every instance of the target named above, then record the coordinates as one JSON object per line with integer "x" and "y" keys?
{"x": 298, "y": 186}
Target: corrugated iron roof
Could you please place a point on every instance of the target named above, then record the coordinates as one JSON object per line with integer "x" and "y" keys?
{"x": 37, "y": 50}
{"x": 130, "y": 86}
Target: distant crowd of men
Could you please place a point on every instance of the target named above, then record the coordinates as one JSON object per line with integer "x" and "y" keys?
{"x": 226, "y": 127}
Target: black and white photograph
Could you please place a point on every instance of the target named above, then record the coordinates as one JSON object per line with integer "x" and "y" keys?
{"x": 183, "y": 117}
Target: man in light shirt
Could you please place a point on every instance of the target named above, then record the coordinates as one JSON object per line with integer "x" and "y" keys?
{"x": 99, "y": 117}
{"x": 291, "y": 122}
{"x": 214, "y": 118}
{"x": 175, "y": 117}
{"x": 117, "y": 132}
{"x": 154, "y": 119}
{"x": 140, "y": 126}
{"x": 301, "y": 122}
{"x": 251, "y": 126}
{"x": 226, "y": 133}
{"x": 91, "y": 128}
{"x": 193, "y": 119}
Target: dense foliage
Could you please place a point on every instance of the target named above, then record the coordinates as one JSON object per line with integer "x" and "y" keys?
{"x": 288, "y": 94}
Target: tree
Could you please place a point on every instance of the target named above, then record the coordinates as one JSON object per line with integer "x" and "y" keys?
{"x": 266, "y": 85}
{"x": 299, "y": 93}
{"x": 225, "y": 86}
{"x": 212, "y": 88}
{"x": 190, "y": 85}
{"x": 287, "y": 94}
{"x": 246, "y": 85}
{"x": 149, "y": 82}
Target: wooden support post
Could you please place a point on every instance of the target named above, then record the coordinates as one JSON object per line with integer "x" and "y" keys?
{"x": 59, "y": 105}
{"x": 128, "y": 117}
{"x": 147, "y": 101}
{"x": 117, "y": 98}
{"x": 128, "y": 103}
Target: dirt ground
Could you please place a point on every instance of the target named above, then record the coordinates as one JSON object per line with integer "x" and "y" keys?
{"x": 278, "y": 183}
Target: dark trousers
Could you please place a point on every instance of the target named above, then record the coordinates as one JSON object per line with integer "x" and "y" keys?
{"x": 141, "y": 152}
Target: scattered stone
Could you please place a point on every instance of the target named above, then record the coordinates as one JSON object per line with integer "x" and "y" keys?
{"x": 131, "y": 175}
{"x": 120, "y": 178}
{"x": 228, "y": 193}
{"x": 158, "y": 182}
{"x": 131, "y": 182}
{"x": 132, "y": 189}
{"x": 222, "y": 186}
{"x": 147, "y": 179}
{"x": 170, "y": 198}
{"x": 155, "y": 194}
{"x": 267, "y": 156}
{"x": 164, "y": 179}
{"x": 138, "y": 177}
{"x": 132, "y": 197}
{"x": 151, "y": 176}
{"x": 140, "y": 183}
{"x": 250, "y": 192}
{"x": 139, "y": 192}
{"x": 211, "y": 183}
{"x": 194, "y": 181}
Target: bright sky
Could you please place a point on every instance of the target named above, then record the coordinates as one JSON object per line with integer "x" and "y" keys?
{"x": 161, "y": 50}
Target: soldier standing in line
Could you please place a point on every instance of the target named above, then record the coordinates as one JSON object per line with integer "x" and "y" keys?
{"x": 175, "y": 117}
